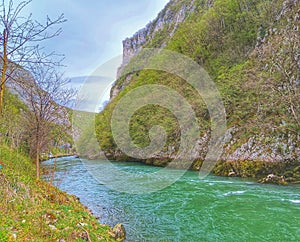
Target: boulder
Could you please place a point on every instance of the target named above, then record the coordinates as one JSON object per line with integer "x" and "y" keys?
{"x": 274, "y": 179}
{"x": 118, "y": 232}
{"x": 231, "y": 174}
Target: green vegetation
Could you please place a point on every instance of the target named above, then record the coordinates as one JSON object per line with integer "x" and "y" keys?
{"x": 33, "y": 210}
{"x": 86, "y": 142}
{"x": 18, "y": 125}
{"x": 26, "y": 69}
{"x": 33, "y": 122}
{"x": 12, "y": 127}
{"x": 249, "y": 49}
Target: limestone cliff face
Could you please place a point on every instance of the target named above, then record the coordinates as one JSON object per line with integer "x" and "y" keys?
{"x": 167, "y": 18}
{"x": 167, "y": 21}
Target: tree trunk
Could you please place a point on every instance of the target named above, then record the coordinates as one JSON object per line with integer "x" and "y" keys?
{"x": 37, "y": 162}
{"x": 4, "y": 70}
{"x": 37, "y": 155}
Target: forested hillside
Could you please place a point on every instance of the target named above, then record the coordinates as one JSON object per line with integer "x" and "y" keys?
{"x": 251, "y": 51}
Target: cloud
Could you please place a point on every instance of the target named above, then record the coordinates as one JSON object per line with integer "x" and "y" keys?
{"x": 95, "y": 29}
{"x": 93, "y": 92}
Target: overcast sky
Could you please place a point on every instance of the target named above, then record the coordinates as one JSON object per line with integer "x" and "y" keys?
{"x": 95, "y": 29}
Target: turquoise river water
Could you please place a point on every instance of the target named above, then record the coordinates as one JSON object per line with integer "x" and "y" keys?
{"x": 212, "y": 209}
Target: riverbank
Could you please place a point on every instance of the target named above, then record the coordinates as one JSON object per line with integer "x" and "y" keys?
{"x": 280, "y": 173}
{"x": 37, "y": 211}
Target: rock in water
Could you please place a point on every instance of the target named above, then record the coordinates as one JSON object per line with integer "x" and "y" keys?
{"x": 118, "y": 232}
{"x": 274, "y": 179}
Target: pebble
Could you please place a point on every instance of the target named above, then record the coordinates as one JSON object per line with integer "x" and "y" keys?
{"x": 52, "y": 227}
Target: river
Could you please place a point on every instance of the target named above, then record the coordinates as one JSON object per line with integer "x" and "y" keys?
{"x": 213, "y": 209}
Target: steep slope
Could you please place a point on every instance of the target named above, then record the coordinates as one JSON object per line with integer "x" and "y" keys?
{"x": 32, "y": 210}
{"x": 37, "y": 211}
{"x": 251, "y": 51}
{"x": 157, "y": 33}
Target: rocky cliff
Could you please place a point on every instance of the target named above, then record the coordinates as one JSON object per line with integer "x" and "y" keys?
{"x": 251, "y": 51}
{"x": 173, "y": 14}
{"x": 157, "y": 32}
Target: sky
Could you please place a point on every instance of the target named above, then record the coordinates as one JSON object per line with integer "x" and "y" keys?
{"x": 94, "y": 29}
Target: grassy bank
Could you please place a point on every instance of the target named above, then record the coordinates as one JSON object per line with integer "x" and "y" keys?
{"x": 37, "y": 211}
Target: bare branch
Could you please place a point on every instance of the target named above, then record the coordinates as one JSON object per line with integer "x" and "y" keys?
{"x": 19, "y": 42}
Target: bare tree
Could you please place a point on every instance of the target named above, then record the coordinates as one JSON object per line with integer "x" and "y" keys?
{"x": 46, "y": 94}
{"x": 19, "y": 40}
